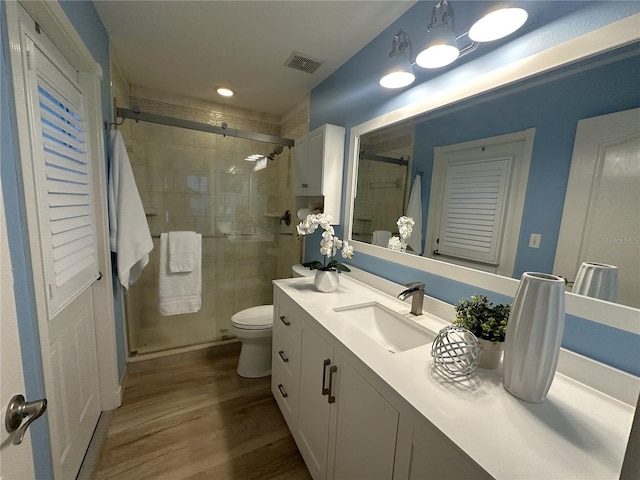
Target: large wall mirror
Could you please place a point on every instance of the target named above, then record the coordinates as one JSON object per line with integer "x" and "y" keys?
{"x": 516, "y": 133}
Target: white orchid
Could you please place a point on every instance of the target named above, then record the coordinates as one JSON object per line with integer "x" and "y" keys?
{"x": 329, "y": 245}
{"x": 395, "y": 244}
{"x": 405, "y": 229}
{"x": 347, "y": 250}
{"x": 405, "y": 226}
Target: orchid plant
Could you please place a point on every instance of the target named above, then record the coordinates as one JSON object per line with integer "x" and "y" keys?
{"x": 405, "y": 228}
{"x": 329, "y": 245}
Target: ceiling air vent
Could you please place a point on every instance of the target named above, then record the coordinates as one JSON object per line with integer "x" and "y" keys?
{"x": 304, "y": 63}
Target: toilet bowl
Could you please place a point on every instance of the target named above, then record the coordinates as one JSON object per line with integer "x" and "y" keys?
{"x": 254, "y": 328}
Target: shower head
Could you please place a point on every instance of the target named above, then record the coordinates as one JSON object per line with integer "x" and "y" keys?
{"x": 277, "y": 150}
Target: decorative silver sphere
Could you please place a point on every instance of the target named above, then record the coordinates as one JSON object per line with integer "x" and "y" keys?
{"x": 455, "y": 351}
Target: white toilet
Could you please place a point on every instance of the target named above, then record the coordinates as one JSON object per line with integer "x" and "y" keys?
{"x": 254, "y": 328}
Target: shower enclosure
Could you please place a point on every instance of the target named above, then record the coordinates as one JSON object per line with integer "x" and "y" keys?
{"x": 225, "y": 188}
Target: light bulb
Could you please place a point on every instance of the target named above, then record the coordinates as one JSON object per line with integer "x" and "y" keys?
{"x": 498, "y": 24}
{"x": 437, "y": 56}
{"x": 397, "y": 79}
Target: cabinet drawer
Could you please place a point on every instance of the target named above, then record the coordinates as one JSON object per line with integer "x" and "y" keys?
{"x": 284, "y": 387}
{"x": 287, "y": 322}
{"x": 286, "y": 355}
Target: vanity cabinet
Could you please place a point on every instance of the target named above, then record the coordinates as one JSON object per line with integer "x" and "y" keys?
{"x": 346, "y": 429}
{"x": 358, "y": 411}
{"x": 318, "y": 160}
{"x": 343, "y": 427}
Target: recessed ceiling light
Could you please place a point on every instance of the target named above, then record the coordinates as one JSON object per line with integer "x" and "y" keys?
{"x": 224, "y": 91}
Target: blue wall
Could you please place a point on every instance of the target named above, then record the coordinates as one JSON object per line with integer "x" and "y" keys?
{"x": 352, "y": 96}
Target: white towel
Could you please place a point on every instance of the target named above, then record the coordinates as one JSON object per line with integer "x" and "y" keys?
{"x": 182, "y": 246}
{"x": 129, "y": 234}
{"x": 414, "y": 210}
{"x": 180, "y": 292}
{"x": 381, "y": 237}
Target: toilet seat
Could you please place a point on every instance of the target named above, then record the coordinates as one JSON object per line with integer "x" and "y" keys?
{"x": 254, "y": 318}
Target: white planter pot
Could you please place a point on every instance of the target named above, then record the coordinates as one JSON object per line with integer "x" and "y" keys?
{"x": 327, "y": 281}
{"x": 491, "y": 353}
{"x": 534, "y": 334}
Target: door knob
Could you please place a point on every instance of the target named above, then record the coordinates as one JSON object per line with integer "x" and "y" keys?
{"x": 18, "y": 410}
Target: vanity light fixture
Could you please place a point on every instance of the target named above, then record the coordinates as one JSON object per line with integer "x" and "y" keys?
{"x": 441, "y": 46}
{"x": 224, "y": 91}
{"x": 498, "y": 24}
{"x": 399, "y": 72}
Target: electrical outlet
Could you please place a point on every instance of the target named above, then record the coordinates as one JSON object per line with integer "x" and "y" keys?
{"x": 534, "y": 240}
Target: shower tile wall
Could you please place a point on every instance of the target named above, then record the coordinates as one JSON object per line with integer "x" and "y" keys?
{"x": 197, "y": 181}
{"x": 381, "y": 186}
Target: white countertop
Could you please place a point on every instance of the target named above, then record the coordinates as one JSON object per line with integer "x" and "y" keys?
{"x": 578, "y": 432}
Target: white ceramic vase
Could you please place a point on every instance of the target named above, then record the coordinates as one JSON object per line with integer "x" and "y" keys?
{"x": 327, "y": 280}
{"x": 491, "y": 353}
{"x": 534, "y": 335}
{"x": 597, "y": 280}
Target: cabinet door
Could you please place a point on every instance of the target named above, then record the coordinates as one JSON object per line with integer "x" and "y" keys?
{"x": 300, "y": 166}
{"x": 366, "y": 427}
{"x": 313, "y": 418}
{"x": 315, "y": 159}
{"x": 424, "y": 452}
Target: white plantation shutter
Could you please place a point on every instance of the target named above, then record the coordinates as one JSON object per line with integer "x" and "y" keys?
{"x": 64, "y": 178}
{"x": 475, "y": 194}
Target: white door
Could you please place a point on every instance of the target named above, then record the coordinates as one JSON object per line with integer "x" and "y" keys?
{"x": 601, "y": 216}
{"x": 60, "y": 207}
{"x": 477, "y": 198}
{"x": 16, "y": 461}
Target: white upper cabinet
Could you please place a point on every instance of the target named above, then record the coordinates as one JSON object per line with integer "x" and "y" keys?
{"x": 318, "y": 167}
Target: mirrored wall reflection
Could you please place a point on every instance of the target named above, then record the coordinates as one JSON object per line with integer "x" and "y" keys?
{"x": 203, "y": 182}
{"x": 552, "y": 107}
{"x": 383, "y": 173}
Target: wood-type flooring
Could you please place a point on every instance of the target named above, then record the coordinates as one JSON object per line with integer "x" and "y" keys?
{"x": 199, "y": 420}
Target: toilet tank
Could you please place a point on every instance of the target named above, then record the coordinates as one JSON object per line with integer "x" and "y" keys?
{"x": 298, "y": 270}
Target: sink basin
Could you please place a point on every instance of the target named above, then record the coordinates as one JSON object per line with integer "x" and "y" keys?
{"x": 393, "y": 331}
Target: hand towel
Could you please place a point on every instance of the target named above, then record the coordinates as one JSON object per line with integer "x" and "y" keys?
{"x": 180, "y": 292}
{"x": 182, "y": 247}
{"x": 414, "y": 210}
{"x": 381, "y": 237}
{"x": 129, "y": 234}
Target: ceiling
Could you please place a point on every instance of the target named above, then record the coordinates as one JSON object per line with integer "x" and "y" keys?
{"x": 189, "y": 47}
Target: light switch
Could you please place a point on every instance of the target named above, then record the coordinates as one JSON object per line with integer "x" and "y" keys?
{"x": 534, "y": 240}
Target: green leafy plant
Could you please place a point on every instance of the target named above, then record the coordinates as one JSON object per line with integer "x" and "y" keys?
{"x": 482, "y": 318}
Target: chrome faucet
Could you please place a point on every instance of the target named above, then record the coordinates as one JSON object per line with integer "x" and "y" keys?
{"x": 415, "y": 290}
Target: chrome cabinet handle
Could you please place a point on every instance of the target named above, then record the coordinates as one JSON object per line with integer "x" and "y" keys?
{"x": 332, "y": 370}
{"x": 283, "y": 356}
{"x": 17, "y": 411}
{"x": 284, "y": 320}
{"x": 325, "y": 390}
{"x": 282, "y": 392}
